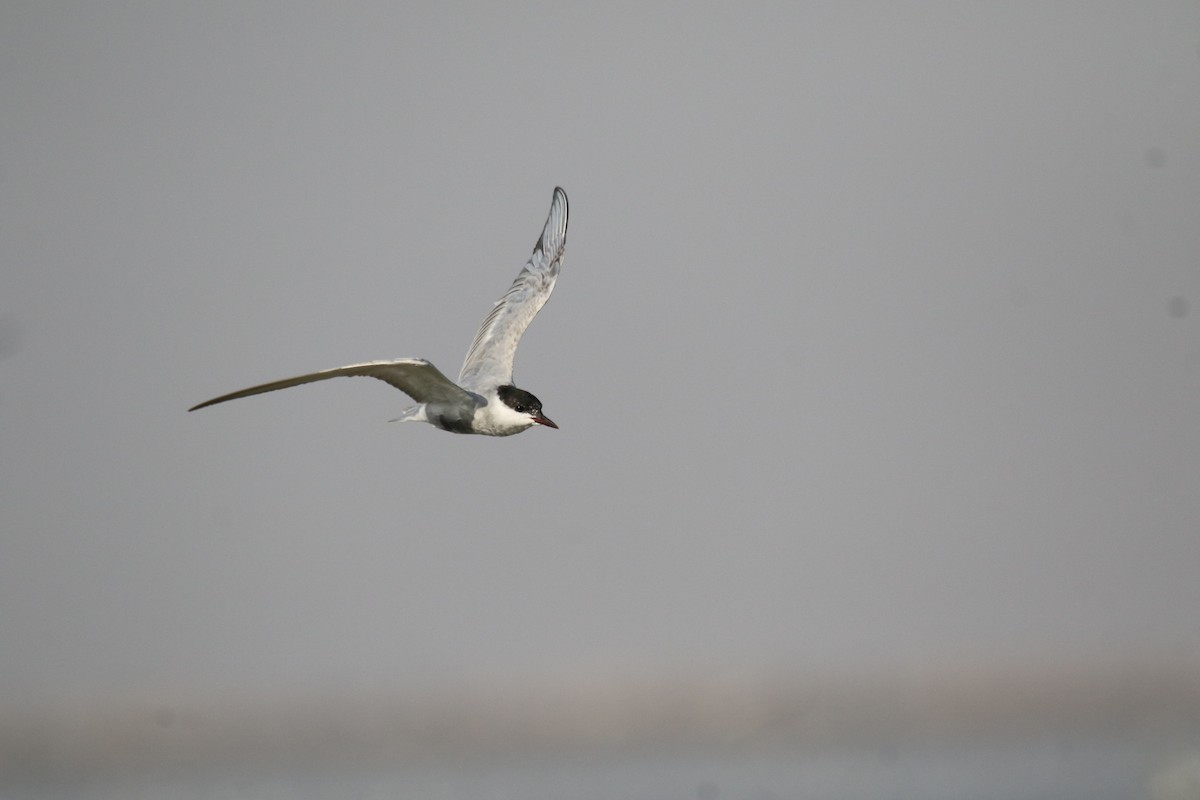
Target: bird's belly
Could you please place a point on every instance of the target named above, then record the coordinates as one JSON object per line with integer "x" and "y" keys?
{"x": 454, "y": 420}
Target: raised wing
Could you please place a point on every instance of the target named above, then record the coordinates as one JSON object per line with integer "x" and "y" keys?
{"x": 416, "y": 377}
{"x": 489, "y": 361}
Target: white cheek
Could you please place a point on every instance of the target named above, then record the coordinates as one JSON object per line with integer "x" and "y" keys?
{"x": 509, "y": 416}
{"x": 499, "y": 419}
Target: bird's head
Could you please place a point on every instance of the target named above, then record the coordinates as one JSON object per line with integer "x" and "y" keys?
{"x": 524, "y": 403}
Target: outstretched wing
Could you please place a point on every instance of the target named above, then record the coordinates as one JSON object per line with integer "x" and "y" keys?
{"x": 416, "y": 377}
{"x": 489, "y": 361}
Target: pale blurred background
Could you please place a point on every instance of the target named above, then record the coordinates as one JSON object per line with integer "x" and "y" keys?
{"x": 876, "y": 355}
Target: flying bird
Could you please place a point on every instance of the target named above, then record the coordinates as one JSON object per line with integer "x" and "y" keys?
{"x": 484, "y": 400}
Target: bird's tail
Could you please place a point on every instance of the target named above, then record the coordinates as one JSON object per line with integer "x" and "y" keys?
{"x": 412, "y": 414}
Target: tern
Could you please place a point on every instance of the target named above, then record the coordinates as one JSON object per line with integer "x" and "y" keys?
{"x": 484, "y": 400}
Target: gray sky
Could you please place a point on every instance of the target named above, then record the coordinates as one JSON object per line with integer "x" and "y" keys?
{"x": 877, "y": 343}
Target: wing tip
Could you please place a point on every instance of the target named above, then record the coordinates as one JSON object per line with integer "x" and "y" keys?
{"x": 559, "y": 192}
{"x": 559, "y": 198}
{"x": 208, "y": 403}
{"x": 205, "y": 404}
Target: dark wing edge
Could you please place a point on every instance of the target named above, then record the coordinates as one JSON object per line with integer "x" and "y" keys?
{"x": 556, "y": 224}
